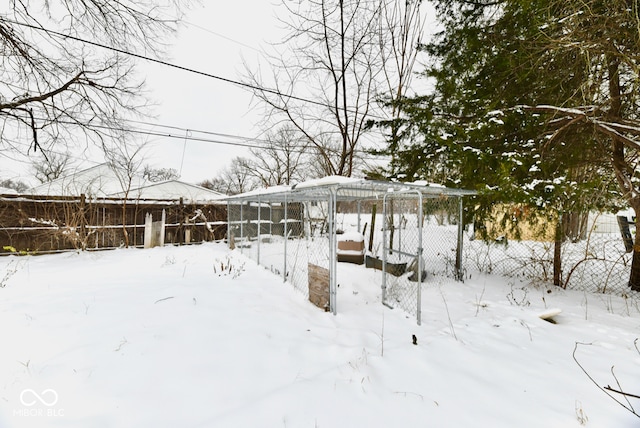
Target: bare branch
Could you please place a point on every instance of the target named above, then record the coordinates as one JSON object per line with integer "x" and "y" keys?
{"x": 605, "y": 389}
{"x": 53, "y": 81}
{"x": 626, "y": 394}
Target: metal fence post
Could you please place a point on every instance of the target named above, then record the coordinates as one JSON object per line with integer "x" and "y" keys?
{"x": 384, "y": 248}
{"x": 284, "y": 234}
{"x": 258, "y": 230}
{"x": 242, "y": 227}
{"x": 420, "y": 261}
{"x": 333, "y": 259}
{"x": 459, "y": 275}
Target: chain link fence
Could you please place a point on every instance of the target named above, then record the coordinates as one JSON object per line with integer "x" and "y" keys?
{"x": 415, "y": 239}
{"x": 284, "y": 237}
{"x": 598, "y": 262}
{"x": 421, "y": 240}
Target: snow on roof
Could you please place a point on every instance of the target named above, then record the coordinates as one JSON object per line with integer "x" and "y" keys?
{"x": 103, "y": 181}
{"x": 97, "y": 181}
{"x": 347, "y": 188}
{"x": 174, "y": 189}
{"x": 327, "y": 181}
{"x": 267, "y": 191}
{"x": 8, "y": 191}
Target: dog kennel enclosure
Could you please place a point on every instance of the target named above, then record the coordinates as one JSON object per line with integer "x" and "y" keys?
{"x": 409, "y": 231}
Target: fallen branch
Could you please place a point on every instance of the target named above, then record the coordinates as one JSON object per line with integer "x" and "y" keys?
{"x": 160, "y": 300}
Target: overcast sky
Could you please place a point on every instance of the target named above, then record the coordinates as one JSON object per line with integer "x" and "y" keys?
{"x": 215, "y": 39}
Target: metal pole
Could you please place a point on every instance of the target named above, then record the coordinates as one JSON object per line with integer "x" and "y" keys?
{"x": 400, "y": 232}
{"x": 285, "y": 233}
{"x": 359, "y": 212}
{"x": 258, "y": 232}
{"x": 242, "y": 227}
{"x": 384, "y": 250}
{"x": 420, "y": 262}
{"x": 460, "y": 240}
{"x": 332, "y": 254}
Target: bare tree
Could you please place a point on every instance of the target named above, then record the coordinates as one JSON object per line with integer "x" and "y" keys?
{"x": 125, "y": 160}
{"x": 236, "y": 178}
{"x": 156, "y": 175}
{"x": 330, "y": 56}
{"x": 400, "y": 29}
{"x": 282, "y": 160}
{"x": 217, "y": 184}
{"x": 62, "y": 73}
{"x": 52, "y": 166}
{"x": 16, "y": 185}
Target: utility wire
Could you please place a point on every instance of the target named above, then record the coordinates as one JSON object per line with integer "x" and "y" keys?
{"x": 217, "y": 34}
{"x": 168, "y": 64}
{"x": 186, "y": 134}
{"x": 246, "y": 141}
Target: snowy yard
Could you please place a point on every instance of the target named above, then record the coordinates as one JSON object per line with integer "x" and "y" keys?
{"x": 200, "y": 336}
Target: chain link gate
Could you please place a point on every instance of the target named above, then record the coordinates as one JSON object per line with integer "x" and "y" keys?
{"x": 422, "y": 238}
{"x": 402, "y": 260}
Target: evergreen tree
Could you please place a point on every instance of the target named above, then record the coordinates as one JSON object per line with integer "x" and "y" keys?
{"x": 534, "y": 102}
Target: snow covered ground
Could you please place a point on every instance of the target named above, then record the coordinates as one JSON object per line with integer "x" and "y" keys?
{"x": 200, "y": 336}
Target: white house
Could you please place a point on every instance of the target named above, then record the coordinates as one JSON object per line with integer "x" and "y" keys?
{"x": 102, "y": 181}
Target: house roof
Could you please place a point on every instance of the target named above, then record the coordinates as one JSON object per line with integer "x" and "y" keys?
{"x": 102, "y": 181}
{"x": 7, "y": 191}
{"x": 97, "y": 181}
{"x": 174, "y": 189}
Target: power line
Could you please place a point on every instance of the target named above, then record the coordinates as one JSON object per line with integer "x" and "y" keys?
{"x": 178, "y": 128}
{"x": 168, "y": 64}
{"x": 187, "y": 137}
{"x": 219, "y": 35}
{"x": 185, "y": 134}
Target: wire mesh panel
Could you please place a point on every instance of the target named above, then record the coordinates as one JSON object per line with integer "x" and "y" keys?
{"x": 239, "y": 227}
{"x": 440, "y": 232}
{"x": 402, "y": 258}
{"x": 421, "y": 239}
{"x": 308, "y": 242}
{"x": 596, "y": 262}
{"x": 599, "y": 264}
{"x": 284, "y": 237}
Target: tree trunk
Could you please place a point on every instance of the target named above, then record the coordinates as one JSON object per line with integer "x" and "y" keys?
{"x": 575, "y": 226}
{"x": 125, "y": 233}
{"x": 557, "y": 252}
{"x": 634, "y": 278}
{"x": 373, "y": 226}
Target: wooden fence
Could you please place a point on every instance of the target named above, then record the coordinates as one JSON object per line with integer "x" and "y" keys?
{"x": 35, "y": 223}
